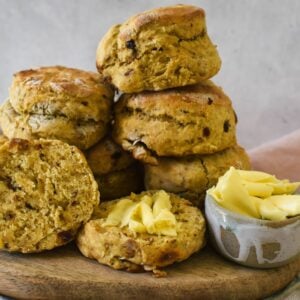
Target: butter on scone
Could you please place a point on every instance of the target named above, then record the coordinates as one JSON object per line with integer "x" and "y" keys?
{"x": 58, "y": 103}
{"x": 197, "y": 119}
{"x": 158, "y": 49}
{"x": 143, "y": 232}
{"x": 191, "y": 176}
{"x": 47, "y": 192}
{"x": 151, "y": 214}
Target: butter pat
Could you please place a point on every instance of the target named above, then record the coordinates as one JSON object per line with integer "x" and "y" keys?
{"x": 152, "y": 214}
{"x": 257, "y": 194}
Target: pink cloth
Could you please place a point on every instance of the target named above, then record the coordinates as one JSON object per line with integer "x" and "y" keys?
{"x": 280, "y": 157}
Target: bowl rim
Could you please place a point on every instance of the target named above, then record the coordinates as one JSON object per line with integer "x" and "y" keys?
{"x": 251, "y": 220}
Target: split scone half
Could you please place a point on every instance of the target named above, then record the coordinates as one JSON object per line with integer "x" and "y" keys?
{"x": 47, "y": 191}
{"x": 143, "y": 232}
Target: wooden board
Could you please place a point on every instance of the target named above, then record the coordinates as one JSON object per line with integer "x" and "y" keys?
{"x": 65, "y": 274}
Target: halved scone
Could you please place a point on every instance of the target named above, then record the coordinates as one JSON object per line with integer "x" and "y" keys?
{"x": 47, "y": 191}
{"x": 123, "y": 235}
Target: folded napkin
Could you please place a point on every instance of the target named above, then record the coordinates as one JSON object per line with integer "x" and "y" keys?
{"x": 280, "y": 157}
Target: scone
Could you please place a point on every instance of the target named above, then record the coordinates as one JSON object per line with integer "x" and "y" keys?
{"x": 116, "y": 172}
{"x": 158, "y": 49}
{"x": 107, "y": 156}
{"x": 130, "y": 247}
{"x": 120, "y": 183}
{"x": 196, "y": 119}
{"x": 58, "y": 103}
{"x": 47, "y": 192}
{"x": 191, "y": 176}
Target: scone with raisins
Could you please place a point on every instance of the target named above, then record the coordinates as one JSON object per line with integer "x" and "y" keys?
{"x": 158, "y": 49}
{"x": 143, "y": 232}
{"x": 196, "y": 119}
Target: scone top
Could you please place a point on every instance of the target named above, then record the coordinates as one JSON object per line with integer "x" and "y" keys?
{"x": 185, "y": 21}
{"x": 158, "y": 49}
{"x": 59, "y": 90}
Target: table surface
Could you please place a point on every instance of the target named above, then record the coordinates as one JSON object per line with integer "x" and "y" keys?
{"x": 65, "y": 273}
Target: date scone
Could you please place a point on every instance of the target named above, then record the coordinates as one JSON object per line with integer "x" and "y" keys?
{"x": 197, "y": 119}
{"x": 58, "y": 103}
{"x": 47, "y": 191}
{"x": 191, "y": 176}
{"x": 115, "y": 171}
{"x": 143, "y": 232}
{"x": 158, "y": 49}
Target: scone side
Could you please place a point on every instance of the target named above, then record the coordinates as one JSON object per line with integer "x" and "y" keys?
{"x": 30, "y": 126}
{"x": 191, "y": 176}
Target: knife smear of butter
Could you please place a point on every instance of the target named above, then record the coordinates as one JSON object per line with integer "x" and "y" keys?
{"x": 152, "y": 214}
{"x": 257, "y": 194}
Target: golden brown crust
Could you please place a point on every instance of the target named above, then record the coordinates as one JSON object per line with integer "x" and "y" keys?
{"x": 191, "y": 176}
{"x": 196, "y": 119}
{"x": 106, "y": 156}
{"x": 120, "y": 248}
{"x": 80, "y": 133}
{"x": 58, "y": 90}
{"x": 47, "y": 191}
{"x": 158, "y": 49}
{"x": 162, "y": 16}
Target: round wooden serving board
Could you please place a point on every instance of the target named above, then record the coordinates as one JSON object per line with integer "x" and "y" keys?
{"x": 65, "y": 274}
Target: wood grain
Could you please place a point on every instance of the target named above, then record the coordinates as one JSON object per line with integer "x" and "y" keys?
{"x": 66, "y": 274}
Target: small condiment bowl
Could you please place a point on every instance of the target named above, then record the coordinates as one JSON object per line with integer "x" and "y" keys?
{"x": 252, "y": 242}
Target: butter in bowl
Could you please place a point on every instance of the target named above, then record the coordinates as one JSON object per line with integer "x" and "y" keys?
{"x": 254, "y": 218}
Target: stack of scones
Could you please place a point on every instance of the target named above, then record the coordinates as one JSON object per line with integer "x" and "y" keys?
{"x": 171, "y": 130}
{"x": 171, "y": 117}
{"x": 73, "y": 106}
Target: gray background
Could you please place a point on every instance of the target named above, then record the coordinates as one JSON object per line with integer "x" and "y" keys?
{"x": 258, "y": 40}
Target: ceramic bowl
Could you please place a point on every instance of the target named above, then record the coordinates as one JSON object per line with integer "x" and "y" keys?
{"x": 252, "y": 242}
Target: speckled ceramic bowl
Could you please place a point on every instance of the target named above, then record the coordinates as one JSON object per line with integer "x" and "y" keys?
{"x": 252, "y": 242}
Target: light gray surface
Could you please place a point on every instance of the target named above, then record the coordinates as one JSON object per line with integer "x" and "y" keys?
{"x": 259, "y": 42}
